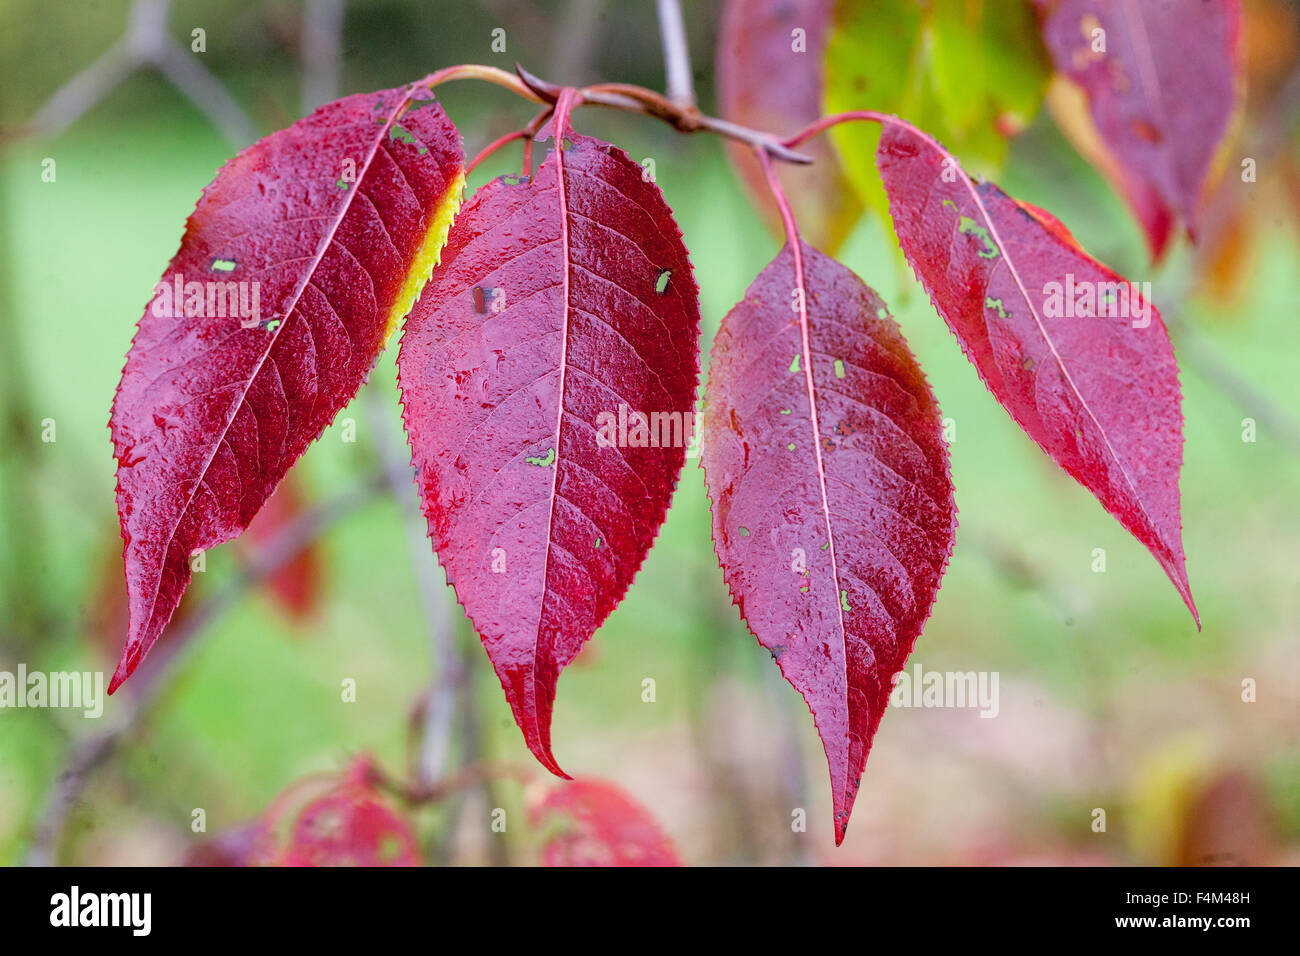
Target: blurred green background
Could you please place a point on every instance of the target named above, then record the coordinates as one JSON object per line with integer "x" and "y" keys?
{"x": 1109, "y": 697}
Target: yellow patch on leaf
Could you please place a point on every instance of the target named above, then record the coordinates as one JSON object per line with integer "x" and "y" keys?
{"x": 430, "y": 252}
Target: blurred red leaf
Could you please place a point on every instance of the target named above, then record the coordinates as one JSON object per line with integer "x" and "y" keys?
{"x": 351, "y": 826}
{"x": 772, "y": 76}
{"x": 1163, "y": 82}
{"x": 250, "y": 845}
{"x": 294, "y": 587}
{"x": 347, "y": 822}
{"x": 598, "y": 824}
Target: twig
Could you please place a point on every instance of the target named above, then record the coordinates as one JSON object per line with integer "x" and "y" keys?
{"x": 322, "y": 31}
{"x": 620, "y": 96}
{"x": 638, "y": 99}
{"x": 469, "y": 776}
{"x": 432, "y": 585}
{"x": 526, "y": 133}
{"x": 146, "y": 42}
{"x": 677, "y": 54}
{"x": 575, "y": 37}
{"x": 94, "y": 750}
{"x": 1195, "y": 355}
{"x": 188, "y": 74}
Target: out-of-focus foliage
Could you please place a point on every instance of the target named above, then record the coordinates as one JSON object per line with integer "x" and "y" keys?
{"x": 969, "y": 73}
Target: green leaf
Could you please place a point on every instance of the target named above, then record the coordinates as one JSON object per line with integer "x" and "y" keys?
{"x": 970, "y": 71}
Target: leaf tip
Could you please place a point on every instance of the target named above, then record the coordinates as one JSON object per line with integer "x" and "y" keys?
{"x": 1176, "y": 568}
{"x": 1186, "y": 593}
{"x": 542, "y": 752}
{"x": 124, "y": 670}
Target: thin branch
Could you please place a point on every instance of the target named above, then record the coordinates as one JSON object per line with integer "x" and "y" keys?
{"x": 322, "y": 33}
{"x": 431, "y": 583}
{"x": 826, "y": 122}
{"x": 487, "y": 74}
{"x": 575, "y": 38}
{"x": 92, "y": 751}
{"x": 188, "y": 74}
{"x": 1194, "y": 354}
{"x": 525, "y": 133}
{"x": 469, "y": 776}
{"x": 621, "y": 96}
{"x": 638, "y": 99}
{"x": 677, "y": 54}
{"x": 146, "y": 42}
{"x": 75, "y": 97}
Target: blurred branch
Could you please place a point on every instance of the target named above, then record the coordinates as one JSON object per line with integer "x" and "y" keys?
{"x": 1270, "y": 138}
{"x": 432, "y": 585}
{"x": 575, "y": 38}
{"x": 322, "y": 41}
{"x": 1195, "y": 354}
{"x": 146, "y": 42}
{"x": 792, "y": 782}
{"x": 1021, "y": 572}
{"x": 633, "y": 99}
{"x": 467, "y": 776}
{"x": 677, "y": 54}
{"x": 92, "y": 751}
{"x": 451, "y": 696}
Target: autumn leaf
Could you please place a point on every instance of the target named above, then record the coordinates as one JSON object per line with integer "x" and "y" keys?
{"x": 833, "y": 514}
{"x": 972, "y": 72}
{"x": 1075, "y": 353}
{"x": 1162, "y": 82}
{"x": 593, "y": 823}
{"x": 249, "y": 845}
{"x": 565, "y": 307}
{"x": 351, "y": 826}
{"x": 771, "y": 76}
{"x": 322, "y": 819}
{"x": 299, "y": 261}
{"x": 295, "y": 587}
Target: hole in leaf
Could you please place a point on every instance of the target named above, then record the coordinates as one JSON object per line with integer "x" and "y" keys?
{"x": 540, "y": 461}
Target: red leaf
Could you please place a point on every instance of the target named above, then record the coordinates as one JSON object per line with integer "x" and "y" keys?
{"x": 558, "y": 299}
{"x": 1161, "y": 93}
{"x": 1098, "y": 393}
{"x": 768, "y": 81}
{"x": 295, "y": 587}
{"x": 212, "y": 409}
{"x": 250, "y": 845}
{"x": 600, "y": 825}
{"x": 833, "y": 513}
{"x": 341, "y": 820}
{"x": 351, "y": 826}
